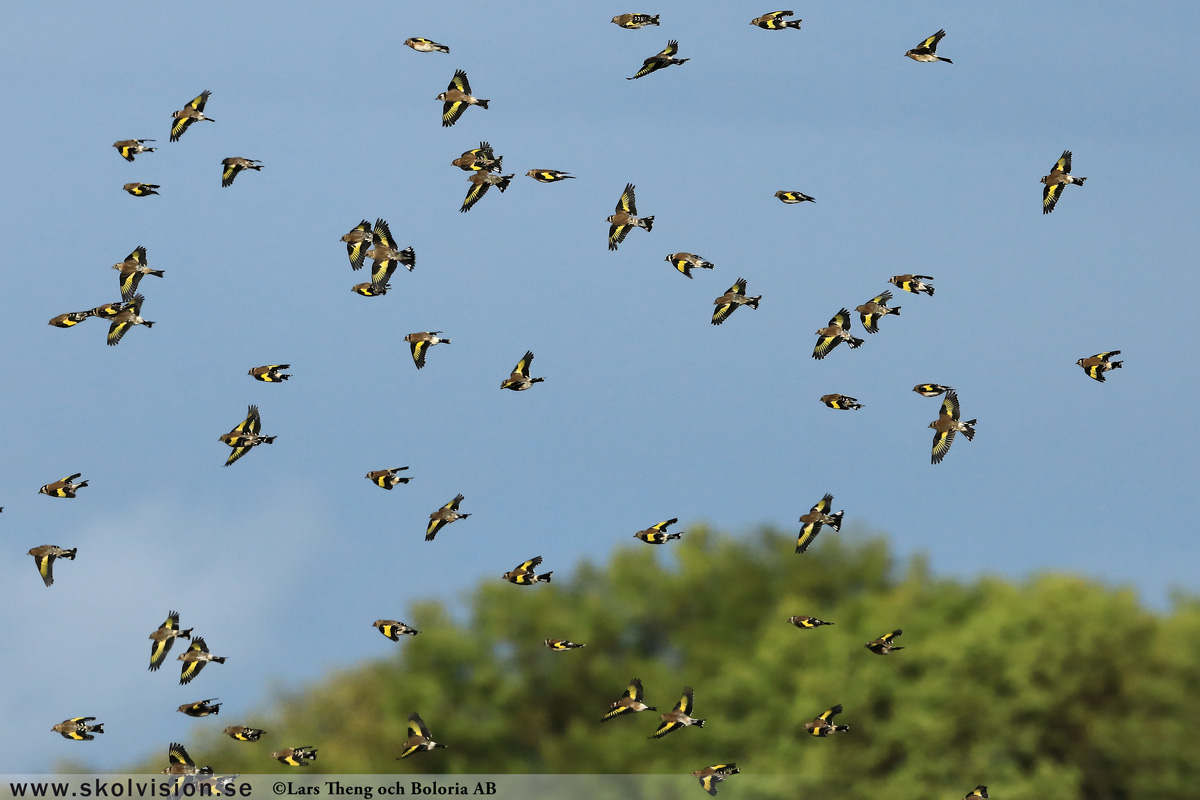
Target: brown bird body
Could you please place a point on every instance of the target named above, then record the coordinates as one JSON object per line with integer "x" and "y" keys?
{"x": 801, "y": 621}
{"x": 78, "y": 729}
{"x": 387, "y": 478}
{"x": 132, "y": 269}
{"x": 200, "y": 708}
{"x": 1095, "y": 366}
{"x": 841, "y": 402}
{"x": 630, "y": 702}
{"x": 680, "y": 716}
{"x": 164, "y": 637}
{"x": 947, "y": 425}
{"x": 1060, "y": 176}
{"x": 419, "y": 737}
{"x": 194, "y": 660}
{"x": 870, "y": 312}
{"x": 916, "y": 284}
{"x": 836, "y": 332}
{"x": 734, "y": 296}
{"x": 443, "y": 517}
{"x": 244, "y": 734}
{"x": 456, "y": 98}
{"x": 63, "y": 487}
{"x": 524, "y": 574}
{"x": 883, "y": 645}
{"x": 192, "y": 112}
{"x": 128, "y": 148}
{"x": 823, "y": 725}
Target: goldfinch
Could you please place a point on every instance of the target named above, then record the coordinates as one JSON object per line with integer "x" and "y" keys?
{"x": 870, "y": 312}
{"x": 244, "y": 734}
{"x": 524, "y": 575}
{"x": 419, "y": 344}
{"x": 791, "y": 198}
{"x": 419, "y": 737}
{"x": 635, "y": 21}
{"x": 394, "y": 629}
{"x": 626, "y": 219}
{"x": 77, "y": 728}
{"x": 841, "y": 402}
{"x": 43, "y": 559}
{"x": 817, "y": 516}
{"x": 686, "y": 262}
{"x": 422, "y": 45}
{"x": 230, "y": 167}
{"x": 387, "y": 478}
{"x": 927, "y": 49}
{"x": 200, "y": 708}
{"x": 164, "y": 637}
{"x": 631, "y": 702}
{"x": 657, "y": 534}
{"x": 271, "y": 373}
{"x": 480, "y": 182}
{"x": 480, "y": 158}
{"x": 931, "y": 389}
{"x": 663, "y": 59}
{"x": 709, "y": 777}
{"x": 192, "y": 112}
{"x": 559, "y": 645}
{"x": 70, "y": 319}
{"x": 246, "y": 435}
{"x": 519, "y": 380}
{"x": 883, "y": 645}
{"x": 358, "y": 242}
{"x": 128, "y": 148}
{"x": 774, "y": 21}
{"x": 836, "y": 332}
{"x": 734, "y": 296}
{"x": 1059, "y": 178}
{"x": 823, "y": 725}
{"x": 801, "y": 621}
{"x": 141, "y": 189}
{"x": 443, "y": 517}
{"x": 456, "y": 98}
{"x": 1095, "y": 366}
{"x": 132, "y": 269}
{"x": 63, "y": 487}
{"x": 947, "y": 424}
{"x": 194, "y": 659}
{"x": 680, "y": 716}
{"x": 548, "y": 175}
{"x": 295, "y": 756}
{"x": 127, "y": 316}
{"x": 913, "y": 283}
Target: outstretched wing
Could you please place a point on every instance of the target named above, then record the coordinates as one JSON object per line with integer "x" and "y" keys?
{"x": 628, "y": 201}
{"x": 522, "y": 368}
{"x": 474, "y": 194}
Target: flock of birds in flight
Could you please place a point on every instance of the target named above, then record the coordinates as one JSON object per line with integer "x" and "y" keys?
{"x": 376, "y": 242}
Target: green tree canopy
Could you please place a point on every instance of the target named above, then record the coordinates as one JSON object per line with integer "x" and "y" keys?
{"x": 1054, "y": 687}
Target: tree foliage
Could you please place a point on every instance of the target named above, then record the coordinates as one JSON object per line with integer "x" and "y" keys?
{"x": 1054, "y": 687}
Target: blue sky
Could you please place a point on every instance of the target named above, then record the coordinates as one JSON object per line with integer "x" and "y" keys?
{"x": 648, "y": 412}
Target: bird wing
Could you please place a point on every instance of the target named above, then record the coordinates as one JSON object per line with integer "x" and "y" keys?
{"x": 435, "y": 525}
{"x": 45, "y": 565}
{"x": 807, "y": 535}
{"x": 634, "y": 690}
{"x": 941, "y": 444}
{"x": 666, "y": 727}
{"x": 825, "y": 345}
{"x": 116, "y": 331}
{"x": 841, "y": 319}
{"x": 1050, "y": 196}
{"x": 179, "y": 126}
{"x": 177, "y": 755}
{"x": 158, "y": 652}
{"x": 1063, "y": 164}
{"x": 357, "y": 251}
{"x": 687, "y": 702}
{"x": 628, "y": 201}
{"x": 418, "y": 353}
{"x": 662, "y": 526}
{"x": 522, "y": 369}
{"x": 232, "y": 168}
{"x": 129, "y": 282}
{"x": 453, "y": 504}
{"x": 823, "y": 505}
{"x": 616, "y": 235}
{"x": 382, "y": 271}
{"x": 199, "y": 101}
{"x": 722, "y": 312}
{"x": 409, "y": 750}
{"x": 931, "y": 43}
{"x": 739, "y": 287}
{"x": 474, "y": 194}
{"x": 671, "y": 49}
{"x": 190, "y": 670}
{"x": 451, "y": 111}
{"x": 830, "y": 714}
{"x": 383, "y": 234}
{"x": 459, "y": 81}
{"x": 530, "y": 564}
{"x": 417, "y": 726}
{"x": 950, "y": 405}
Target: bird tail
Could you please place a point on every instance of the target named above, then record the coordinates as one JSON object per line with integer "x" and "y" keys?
{"x": 671, "y": 536}
{"x": 268, "y": 440}
{"x": 969, "y": 430}
{"x": 928, "y": 290}
{"x": 158, "y": 273}
{"x": 219, "y": 659}
{"x": 948, "y": 61}
{"x": 504, "y": 181}
{"x": 499, "y": 165}
{"x": 441, "y": 48}
{"x": 148, "y": 324}
{"x": 70, "y": 554}
{"x": 1077, "y": 180}
{"x": 895, "y": 311}
{"x": 150, "y": 149}
{"x": 841, "y": 728}
{"x": 186, "y": 634}
{"x": 538, "y": 380}
{"x": 795, "y": 24}
{"x": 482, "y": 103}
{"x": 256, "y": 167}
{"x": 1116, "y": 365}
{"x": 445, "y": 341}
{"x": 653, "y": 20}
{"x": 544, "y": 578}
{"x": 682, "y": 60}
{"x": 702, "y": 264}
{"x": 699, "y": 723}
{"x": 837, "y": 520}
{"x": 96, "y": 728}
{"x": 79, "y": 486}
{"x": 753, "y": 301}
{"x": 647, "y": 223}
{"x": 855, "y": 343}
{"x": 894, "y": 648}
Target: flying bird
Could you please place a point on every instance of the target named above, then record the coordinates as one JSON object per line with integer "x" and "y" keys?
{"x": 912, "y": 283}
{"x": 235, "y": 164}
{"x": 519, "y": 380}
{"x": 680, "y": 716}
{"x": 657, "y": 534}
{"x": 524, "y": 575}
{"x": 141, "y": 189}
{"x": 931, "y": 389}
{"x": 422, "y": 45}
{"x": 107, "y": 311}
{"x": 883, "y": 645}
{"x": 1095, "y": 366}
{"x": 791, "y": 198}
{"x": 194, "y": 659}
{"x": 77, "y": 728}
{"x": 271, "y": 373}
{"x": 927, "y": 50}
{"x": 978, "y": 791}
{"x": 419, "y": 737}
{"x": 200, "y": 708}
{"x": 836, "y": 332}
{"x": 548, "y": 175}
{"x": 164, "y": 637}
{"x": 295, "y": 756}
{"x": 192, "y": 112}
{"x": 635, "y": 21}
{"x": 394, "y": 629}
{"x": 132, "y": 269}
{"x": 481, "y": 181}
{"x": 43, "y": 558}
{"x": 686, "y": 262}
{"x": 1060, "y": 176}
{"x": 875, "y": 309}
{"x": 63, "y": 487}
{"x": 841, "y": 402}
{"x": 443, "y": 517}
{"x": 385, "y": 257}
{"x": 387, "y": 478}
{"x": 180, "y": 763}
{"x": 631, "y": 702}
{"x": 456, "y": 98}
{"x": 244, "y": 734}
{"x": 560, "y": 645}
{"x": 369, "y": 289}
{"x": 801, "y": 621}
{"x": 823, "y": 725}
{"x": 709, "y": 777}
{"x": 419, "y": 344}
{"x": 774, "y": 21}
{"x": 817, "y": 516}
{"x": 664, "y": 59}
{"x": 358, "y": 241}
{"x": 480, "y": 158}
{"x": 127, "y": 316}
{"x": 947, "y": 424}
{"x": 128, "y": 148}
{"x": 246, "y": 435}
{"x": 70, "y": 319}
{"x": 734, "y": 296}
{"x": 626, "y": 218}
